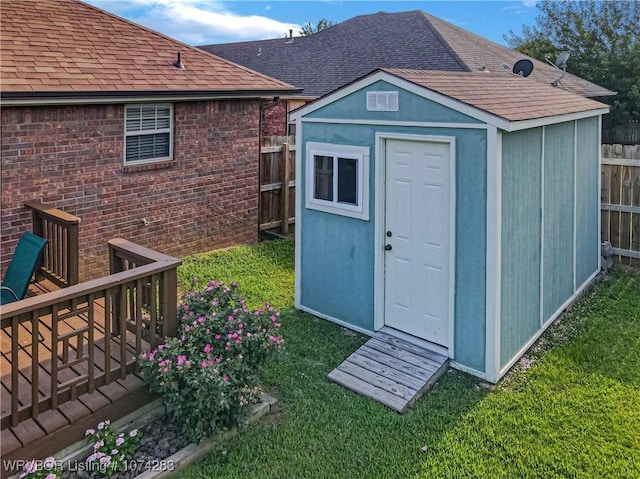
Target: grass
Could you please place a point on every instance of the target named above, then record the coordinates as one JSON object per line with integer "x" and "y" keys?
{"x": 570, "y": 409}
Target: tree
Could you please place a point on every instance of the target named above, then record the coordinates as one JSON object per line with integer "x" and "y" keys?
{"x": 602, "y": 38}
{"x": 309, "y": 29}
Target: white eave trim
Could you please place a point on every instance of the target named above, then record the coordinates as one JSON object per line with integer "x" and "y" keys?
{"x": 106, "y": 99}
{"x": 550, "y": 120}
{"x": 424, "y": 92}
{"x": 457, "y": 105}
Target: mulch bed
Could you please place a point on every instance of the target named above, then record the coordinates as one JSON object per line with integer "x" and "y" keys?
{"x": 160, "y": 439}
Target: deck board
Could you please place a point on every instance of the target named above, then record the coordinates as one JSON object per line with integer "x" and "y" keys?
{"x": 50, "y": 429}
{"x": 51, "y": 421}
{"x": 391, "y": 371}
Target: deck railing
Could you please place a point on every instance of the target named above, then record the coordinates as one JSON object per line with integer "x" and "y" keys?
{"x": 60, "y": 258}
{"x": 74, "y": 340}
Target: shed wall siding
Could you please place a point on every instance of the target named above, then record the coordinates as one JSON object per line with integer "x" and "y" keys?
{"x": 558, "y": 216}
{"x": 337, "y": 267}
{"x": 549, "y": 189}
{"x": 521, "y": 229}
{"x": 587, "y": 199}
{"x": 411, "y": 107}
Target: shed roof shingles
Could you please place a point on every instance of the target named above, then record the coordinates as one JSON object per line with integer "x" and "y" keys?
{"x": 505, "y": 95}
{"x": 72, "y": 46}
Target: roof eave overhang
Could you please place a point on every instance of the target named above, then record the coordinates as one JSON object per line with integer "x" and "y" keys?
{"x": 96, "y": 97}
{"x": 550, "y": 120}
{"x": 407, "y": 85}
{"x": 469, "y": 110}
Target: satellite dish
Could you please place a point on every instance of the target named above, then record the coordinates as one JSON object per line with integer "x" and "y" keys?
{"x": 523, "y": 68}
{"x": 561, "y": 61}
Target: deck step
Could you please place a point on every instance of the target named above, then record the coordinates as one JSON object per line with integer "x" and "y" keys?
{"x": 391, "y": 371}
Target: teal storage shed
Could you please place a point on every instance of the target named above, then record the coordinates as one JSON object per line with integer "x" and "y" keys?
{"x": 459, "y": 210}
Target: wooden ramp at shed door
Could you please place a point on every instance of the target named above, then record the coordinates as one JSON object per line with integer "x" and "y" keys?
{"x": 391, "y": 371}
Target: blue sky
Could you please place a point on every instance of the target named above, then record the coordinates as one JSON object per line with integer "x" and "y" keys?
{"x": 199, "y": 22}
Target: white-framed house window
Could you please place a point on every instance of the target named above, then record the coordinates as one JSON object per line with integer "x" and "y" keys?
{"x": 148, "y": 132}
{"x": 338, "y": 179}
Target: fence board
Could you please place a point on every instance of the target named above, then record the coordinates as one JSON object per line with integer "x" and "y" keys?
{"x": 620, "y": 200}
{"x": 277, "y": 168}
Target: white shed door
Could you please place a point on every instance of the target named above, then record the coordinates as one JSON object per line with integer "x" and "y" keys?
{"x": 418, "y": 235}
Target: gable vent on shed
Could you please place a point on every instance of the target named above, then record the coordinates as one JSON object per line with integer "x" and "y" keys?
{"x": 382, "y": 101}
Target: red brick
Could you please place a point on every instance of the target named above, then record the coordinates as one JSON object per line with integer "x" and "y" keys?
{"x": 206, "y": 199}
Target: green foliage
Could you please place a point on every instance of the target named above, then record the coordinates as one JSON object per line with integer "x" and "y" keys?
{"x": 602, "y": 38}
{"x": 265, "y": 271}
{"x": 572, "y": 413}
{"x": 46, "y": 469}
{"x": 111, "y": 451}
{"x": 208, "y": 374}
{"x": 309, "y": 29}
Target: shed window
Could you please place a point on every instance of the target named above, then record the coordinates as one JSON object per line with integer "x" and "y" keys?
{"x": 337, "y": 179}
{"x": 148, "y": 132}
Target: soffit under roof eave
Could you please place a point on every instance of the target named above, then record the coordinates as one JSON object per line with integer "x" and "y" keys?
{"x": 100, "y": 97}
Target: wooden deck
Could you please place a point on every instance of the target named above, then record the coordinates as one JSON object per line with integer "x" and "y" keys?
{"x": 54, "y": 428}
{"x": 390, "y": 370}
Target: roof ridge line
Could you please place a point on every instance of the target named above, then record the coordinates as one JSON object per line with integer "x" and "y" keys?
{"x": 426, "y": 17}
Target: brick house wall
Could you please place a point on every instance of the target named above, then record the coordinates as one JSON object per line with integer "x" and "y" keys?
{"x": 274, "y": 120}
{"x": 72, "y": 156}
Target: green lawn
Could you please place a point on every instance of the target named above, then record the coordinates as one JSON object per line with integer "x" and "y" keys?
{"x": 572, "y": 410}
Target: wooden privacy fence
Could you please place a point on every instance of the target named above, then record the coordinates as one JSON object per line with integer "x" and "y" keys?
{"x": 277, "y": 183}
{"x": 620, "y": 200}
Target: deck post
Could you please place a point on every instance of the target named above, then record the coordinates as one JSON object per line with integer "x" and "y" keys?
{"x": 170, "y": 302}
{"x": 60, "y": 263}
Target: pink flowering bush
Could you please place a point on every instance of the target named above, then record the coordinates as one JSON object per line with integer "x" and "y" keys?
{"x": 208, "y": 373}
{"x": 48, "y": 468}
{"x": 111, "y": 451}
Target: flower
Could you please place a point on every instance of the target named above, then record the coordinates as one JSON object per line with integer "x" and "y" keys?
{"x": 119, "y": 441}
{"x": 216, "y": 326}
{"x": 89, "y": 432}
{"x": 133, "y": 433}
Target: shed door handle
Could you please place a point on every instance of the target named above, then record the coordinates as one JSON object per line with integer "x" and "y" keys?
{"x": 388, "y": 247}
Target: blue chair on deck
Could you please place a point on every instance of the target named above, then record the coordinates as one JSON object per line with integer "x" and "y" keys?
{"x": 23, "y": 265}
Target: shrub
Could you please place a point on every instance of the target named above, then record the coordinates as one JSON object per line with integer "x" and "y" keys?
{"x": 208, "y": 373}
{"x": 111, "y": 452}
{"x": 45, "y": 469}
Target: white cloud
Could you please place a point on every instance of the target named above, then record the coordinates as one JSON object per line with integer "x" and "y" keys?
{"x": 196, "y": 21}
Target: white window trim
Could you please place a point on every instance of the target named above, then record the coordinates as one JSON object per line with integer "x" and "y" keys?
{"x": 148, "y": 132}
{"x": 359, "y": 153}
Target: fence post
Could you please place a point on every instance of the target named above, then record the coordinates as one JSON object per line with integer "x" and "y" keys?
{"x": 285, "y": 188}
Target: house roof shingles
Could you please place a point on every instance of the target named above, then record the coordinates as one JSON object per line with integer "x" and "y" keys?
{"x": 324, "y": 61}
{"x": 505, "y": 95}
{"x": 69, "y": 47}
